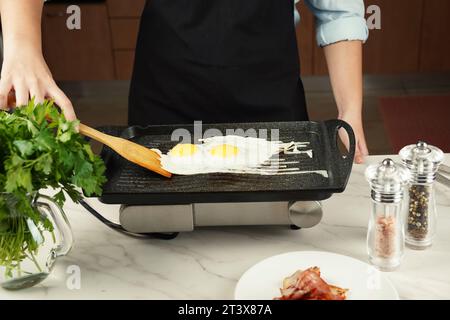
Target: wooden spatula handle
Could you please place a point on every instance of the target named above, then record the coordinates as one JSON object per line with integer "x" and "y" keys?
{"x": 95, "y": 134}
{"x": 131, "y": 151}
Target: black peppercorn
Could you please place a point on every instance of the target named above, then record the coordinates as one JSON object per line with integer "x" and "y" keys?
{"x": 418, "y": 213}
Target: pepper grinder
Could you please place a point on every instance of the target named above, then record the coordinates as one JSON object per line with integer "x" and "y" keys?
{"x": 423, "y": 161}
{"x": 385, "y": 234}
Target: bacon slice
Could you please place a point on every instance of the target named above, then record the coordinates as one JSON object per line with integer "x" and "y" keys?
{"x": 308, "y": 285}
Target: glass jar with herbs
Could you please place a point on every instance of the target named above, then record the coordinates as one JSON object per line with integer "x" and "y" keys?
{"x": 34, "y": 232}
{"x": 39, "y": 149}
{"x": 423, "y": 161}
{"x": 385, "y": 234}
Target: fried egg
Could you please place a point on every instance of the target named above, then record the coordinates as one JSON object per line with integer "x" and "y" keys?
{"x": 219, "y": 154}
{"x": 235, "y": 154}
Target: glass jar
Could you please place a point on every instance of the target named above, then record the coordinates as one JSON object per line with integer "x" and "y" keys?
{"x": 423, "y": 161}
{"x": 385, "y": 234}
{"x": 34, "y": 232}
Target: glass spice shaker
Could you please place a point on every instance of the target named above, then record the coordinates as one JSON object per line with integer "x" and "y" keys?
{"x": 385, "y": 234}
{"x": 423, "y": 161}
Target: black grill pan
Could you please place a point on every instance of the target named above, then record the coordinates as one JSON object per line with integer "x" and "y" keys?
{"x": 132, "y": 185}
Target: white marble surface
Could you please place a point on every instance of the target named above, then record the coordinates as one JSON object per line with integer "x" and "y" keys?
{"x": 206, "y": 264}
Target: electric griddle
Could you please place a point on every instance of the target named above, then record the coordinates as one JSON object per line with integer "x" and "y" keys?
{"x": 153, "y": 204}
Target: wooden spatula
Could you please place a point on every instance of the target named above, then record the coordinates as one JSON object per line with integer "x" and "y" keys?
{"x": 131, "y": 151}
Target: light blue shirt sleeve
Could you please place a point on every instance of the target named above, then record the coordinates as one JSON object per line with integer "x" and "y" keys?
{"x": 339, "y": 20}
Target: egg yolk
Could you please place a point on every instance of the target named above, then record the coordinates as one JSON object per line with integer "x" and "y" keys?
{"x": 183, "y": 150}
{"x": 224, "y": 151}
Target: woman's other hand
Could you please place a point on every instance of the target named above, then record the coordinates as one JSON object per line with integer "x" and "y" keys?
{"x": 355, "y": 121}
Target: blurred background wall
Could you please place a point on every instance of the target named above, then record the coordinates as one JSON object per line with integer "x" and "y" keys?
{"x": 413, "y": 39}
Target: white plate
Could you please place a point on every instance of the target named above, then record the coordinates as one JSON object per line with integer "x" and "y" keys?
{"x": 263, "y": 280}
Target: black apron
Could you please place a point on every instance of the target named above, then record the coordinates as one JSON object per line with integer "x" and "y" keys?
{"x": 216, "y": 61}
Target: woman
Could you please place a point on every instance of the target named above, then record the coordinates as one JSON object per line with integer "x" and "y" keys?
{"x": 209, "y": 60}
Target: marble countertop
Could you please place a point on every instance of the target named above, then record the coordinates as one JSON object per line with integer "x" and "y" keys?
{"x": 207, "y": 263}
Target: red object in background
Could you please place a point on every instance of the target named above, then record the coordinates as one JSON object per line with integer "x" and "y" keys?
{"x": 410, "y": 119}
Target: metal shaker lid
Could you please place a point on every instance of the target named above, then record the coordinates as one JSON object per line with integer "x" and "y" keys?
{"x": 387, "y": 180}
{"x": 422, "y": 160}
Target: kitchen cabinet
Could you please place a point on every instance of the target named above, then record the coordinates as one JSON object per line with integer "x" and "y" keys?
{"x": 84, "y": 54}
{"x": 124, "y": 33}
{"x": 395, "y": 48}
{"x": 121, "y": 8}
{"x": 124, "y": 20}
{"x": 435, "y": 44}
{"x": 124, "y": 61}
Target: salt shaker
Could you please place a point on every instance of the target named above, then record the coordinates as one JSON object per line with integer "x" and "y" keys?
{"x": 423, "y": 161}
{"x": 385, "y": 235}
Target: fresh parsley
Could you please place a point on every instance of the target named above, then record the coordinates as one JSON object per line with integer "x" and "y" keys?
{"x": 39, "y": 149}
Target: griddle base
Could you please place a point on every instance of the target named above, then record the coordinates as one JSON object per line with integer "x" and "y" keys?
{"x": 187, "y": 217}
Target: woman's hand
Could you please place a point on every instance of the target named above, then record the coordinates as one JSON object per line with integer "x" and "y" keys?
{"x": 25, "y": 75}
{"x": 355, "y": 121}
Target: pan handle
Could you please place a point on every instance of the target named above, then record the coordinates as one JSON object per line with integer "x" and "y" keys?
{"x": 345, "y": 161}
